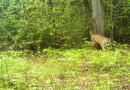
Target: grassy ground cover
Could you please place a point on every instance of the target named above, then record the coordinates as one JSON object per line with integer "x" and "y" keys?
{"x": 73, "y": 69}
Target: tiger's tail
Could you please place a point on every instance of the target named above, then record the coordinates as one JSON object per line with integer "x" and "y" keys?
{"x": 90, "y": 31}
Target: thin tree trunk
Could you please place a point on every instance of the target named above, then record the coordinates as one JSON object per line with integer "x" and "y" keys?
{"x": 98, "y": 17}
{"x": 87, "y": 14}
{"x": 24, "y": 17}
{"x": 111, "y": 18}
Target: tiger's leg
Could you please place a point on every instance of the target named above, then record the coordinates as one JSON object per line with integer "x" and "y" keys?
{"x": 93, "y": 45}
{"x": 103, "y": 47}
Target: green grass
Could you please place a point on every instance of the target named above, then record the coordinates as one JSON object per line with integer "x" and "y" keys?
{"x": 57, "y": 69}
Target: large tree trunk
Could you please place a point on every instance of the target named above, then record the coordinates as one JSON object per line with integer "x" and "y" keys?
{"x": 98, "y": 17}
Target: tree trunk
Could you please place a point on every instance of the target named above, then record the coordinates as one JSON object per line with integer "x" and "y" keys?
{"x": 111, "y": 18}
{"x": 86, "y": 5}
{"x": 98, "y": 17}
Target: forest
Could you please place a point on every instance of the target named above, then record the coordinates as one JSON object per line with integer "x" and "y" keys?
{"x": 47, "y": 45}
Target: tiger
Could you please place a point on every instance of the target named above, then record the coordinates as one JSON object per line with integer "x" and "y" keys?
{"x": 103, "y": 41}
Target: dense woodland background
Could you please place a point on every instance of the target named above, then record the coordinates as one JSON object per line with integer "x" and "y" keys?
{"x": 38, "y": 24}
{"x": 45, "y": 45}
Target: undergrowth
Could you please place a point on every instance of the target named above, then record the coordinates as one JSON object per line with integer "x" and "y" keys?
{"x": 65, "y": 69}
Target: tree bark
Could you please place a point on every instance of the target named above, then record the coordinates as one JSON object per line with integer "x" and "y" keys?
{"x": 98, "y": 17}
{"x": 86, "y": 5}
{"x": 111, "y": 18}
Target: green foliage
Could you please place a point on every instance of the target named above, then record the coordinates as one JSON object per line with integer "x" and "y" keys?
{"x": 120, "y": 21}
{"x": 106, "y": 63}
{"x": 33, "y": 25}
{"x": 122, "y": 16}
{"x": 65, "y": 69}
{"x": 40, "y": 24}
{"x": 37, "y": 24}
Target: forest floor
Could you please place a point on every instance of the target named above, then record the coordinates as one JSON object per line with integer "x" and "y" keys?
{"x": 73, "y": 69}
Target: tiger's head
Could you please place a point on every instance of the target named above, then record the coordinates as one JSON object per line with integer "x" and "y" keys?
{"x": 107, "y": 42}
